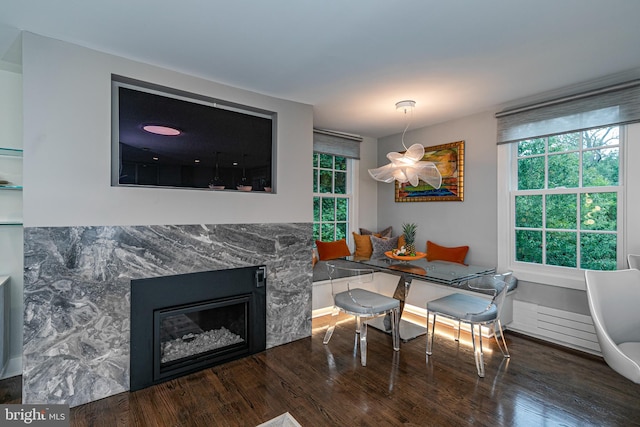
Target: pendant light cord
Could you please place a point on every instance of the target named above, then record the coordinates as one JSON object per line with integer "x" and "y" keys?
{"x": 406, "y": 127}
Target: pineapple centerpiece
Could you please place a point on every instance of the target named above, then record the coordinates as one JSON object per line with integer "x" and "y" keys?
{"x": 409, "y": 233}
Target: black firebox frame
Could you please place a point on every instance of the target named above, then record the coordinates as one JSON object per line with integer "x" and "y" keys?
{"x": 150, "y": 295}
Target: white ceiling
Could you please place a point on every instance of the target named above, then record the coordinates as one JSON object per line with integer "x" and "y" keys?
{"x": 354, "y": 59}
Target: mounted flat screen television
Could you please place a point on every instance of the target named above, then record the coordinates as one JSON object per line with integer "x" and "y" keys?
{"x": 168, "y": 138}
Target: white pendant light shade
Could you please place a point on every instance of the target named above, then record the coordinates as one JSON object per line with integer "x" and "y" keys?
{"x": 408, "y": 167}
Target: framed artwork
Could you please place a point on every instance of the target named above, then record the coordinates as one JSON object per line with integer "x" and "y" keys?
{"x": 449, "y": 159}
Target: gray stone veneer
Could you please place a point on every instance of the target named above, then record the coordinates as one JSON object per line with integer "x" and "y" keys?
{"x": 77, "y": 294}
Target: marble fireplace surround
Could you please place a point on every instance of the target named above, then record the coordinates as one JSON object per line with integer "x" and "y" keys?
{"x": 77, "y": 294}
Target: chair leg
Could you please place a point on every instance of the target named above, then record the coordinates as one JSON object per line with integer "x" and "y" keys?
{"x": 505, "y": 352}
{"x": 332, "y": 325}
{"x": 458, "y": 333}
{"x": 433, "y": 331}
{"x": 395, "y": 331}
{"x": 477, "y": 352}
{"x": 363, "y": 342}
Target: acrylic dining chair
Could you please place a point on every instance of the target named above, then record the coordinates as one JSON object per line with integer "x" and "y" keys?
{"x": 476, "y": 311}
{"x": 349, "y": 296}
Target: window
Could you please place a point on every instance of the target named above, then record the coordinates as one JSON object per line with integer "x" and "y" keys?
{"x": 331, "y": 197}
{"x": 566, "y": 196}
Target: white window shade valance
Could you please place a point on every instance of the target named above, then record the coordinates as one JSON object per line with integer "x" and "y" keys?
{"x": 614, "y": 105}
{"x": 336, "y": 143}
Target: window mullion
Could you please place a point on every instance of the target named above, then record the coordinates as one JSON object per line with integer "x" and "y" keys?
{"x": 579, "y": 223}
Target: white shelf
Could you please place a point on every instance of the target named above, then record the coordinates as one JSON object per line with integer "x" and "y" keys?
{"x": 11, "y": 199}
{"x": 10, "y": 152}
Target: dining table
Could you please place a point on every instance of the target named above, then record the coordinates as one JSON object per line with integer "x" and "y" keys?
{"x": 419, "y": 267}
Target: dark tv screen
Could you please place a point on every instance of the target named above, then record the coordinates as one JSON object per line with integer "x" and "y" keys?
{"x": 216, "y": 146}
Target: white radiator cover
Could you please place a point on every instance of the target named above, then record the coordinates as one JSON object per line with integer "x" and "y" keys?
{"x": 558, "y": 326}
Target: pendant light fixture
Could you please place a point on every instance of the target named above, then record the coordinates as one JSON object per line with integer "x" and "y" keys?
{"x": 408, "y": 166}
{"x": 217, "y": 183}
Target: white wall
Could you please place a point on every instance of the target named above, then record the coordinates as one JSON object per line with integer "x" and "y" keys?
{"x": 367, "y": 203}
{"x": 67, "y": 143}
{"x": 471, "y": 222}
{"x": 632, "y": 197}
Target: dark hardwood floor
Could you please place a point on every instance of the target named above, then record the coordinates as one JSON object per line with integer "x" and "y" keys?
{"x": 326, "y": 386}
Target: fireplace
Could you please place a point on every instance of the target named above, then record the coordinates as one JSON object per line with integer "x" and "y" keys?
{"x": 78, "y": 288}
{"x": 187, "y": 322}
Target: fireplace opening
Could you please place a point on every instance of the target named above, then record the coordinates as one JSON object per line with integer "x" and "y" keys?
{"x": 194, "y": 334}
{"x": 184, "y": 323}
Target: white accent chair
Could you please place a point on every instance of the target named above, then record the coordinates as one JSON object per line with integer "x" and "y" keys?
{"x": 361, "y": 303}
{"x": 613, "y": 301}
{"x": 476, "y": 311}
{"x": 634, "y": 261}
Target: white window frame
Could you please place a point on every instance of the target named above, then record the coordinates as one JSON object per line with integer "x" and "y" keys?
{"x": 546, "y": 274}
{"x": 351, "y": 189}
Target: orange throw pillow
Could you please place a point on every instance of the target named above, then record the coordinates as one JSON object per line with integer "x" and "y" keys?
{"x": 436, "y": 252}
{"x": 332, "y": 250}
{"x": 364, "y": 249}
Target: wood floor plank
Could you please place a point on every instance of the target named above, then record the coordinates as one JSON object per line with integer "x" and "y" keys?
{"x": 325, "y": 385}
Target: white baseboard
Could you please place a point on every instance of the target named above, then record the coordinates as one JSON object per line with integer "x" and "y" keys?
{"x": 321, "y": 312}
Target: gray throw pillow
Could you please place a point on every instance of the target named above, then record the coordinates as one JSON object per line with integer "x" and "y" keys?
{"x": 384, "y": 233}
{"x": 380, "y": 245}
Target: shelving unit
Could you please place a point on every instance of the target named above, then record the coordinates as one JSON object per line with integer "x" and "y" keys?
{"x": 11, "y": 222}
{"x": 10, "y": 194}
